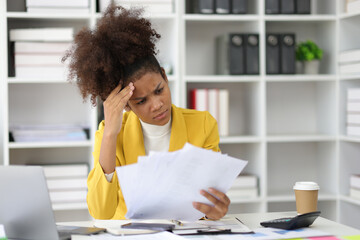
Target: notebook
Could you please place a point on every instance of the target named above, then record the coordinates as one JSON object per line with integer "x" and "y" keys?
{"x": 25, "y": 207}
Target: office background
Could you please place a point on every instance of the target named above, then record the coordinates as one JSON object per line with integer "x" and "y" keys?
{"x": 289, "y": 127}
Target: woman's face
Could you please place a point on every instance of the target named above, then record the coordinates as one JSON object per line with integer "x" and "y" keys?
{"x": 151, "y": 100}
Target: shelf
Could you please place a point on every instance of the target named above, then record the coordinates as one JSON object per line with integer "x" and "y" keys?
{"x": 154, "y": 16}
{"x": 349, "y": 15}
{"x": 239, "y": 139}
{"x": 350, "y": 77}
{"x": 350, "y": 139}
{"x": 300, "y": 18}
{"x": 26, "y": 15}
{"x": 245, "y": 200}
{"x": 69, "y": 206}
{"x": 300, "y": 78}
{"x": 289, "y": 198}
{"x": 17, "y": 145}
{"x": 349, "y": 199}
{"x": 219, "y": 17}
{"x": 14, "y": 80}
{"x": 221, "y": 78}
{"x": 300, "y": 138}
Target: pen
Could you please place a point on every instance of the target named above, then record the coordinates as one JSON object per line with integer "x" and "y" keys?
{"x": 177, "y": 222}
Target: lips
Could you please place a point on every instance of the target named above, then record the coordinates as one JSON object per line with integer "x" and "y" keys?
{"x": 161, "y": 115}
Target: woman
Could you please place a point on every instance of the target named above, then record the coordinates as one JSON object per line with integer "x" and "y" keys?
{"x": 116, "y": 62}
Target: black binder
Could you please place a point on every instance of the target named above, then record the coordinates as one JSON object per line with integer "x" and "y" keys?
{"x": 236, "y": 54}
{"x": 272, "y": 54}
{"x": 239, "y": 6}
{"x": 287, "y": 53}
{"x": 252, "y": 54}
{"x": 203, "y": 6}
{"x": 272, "y": 6}
{"x": 222, "y": 6}
{"x": 303, "y": 6}
{"x": 287, "y": 6}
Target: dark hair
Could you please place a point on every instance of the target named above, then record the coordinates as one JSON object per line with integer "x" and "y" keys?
{"x": 120, "y": 49}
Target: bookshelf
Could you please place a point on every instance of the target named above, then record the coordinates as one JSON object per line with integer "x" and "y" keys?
{"x": 280, "y": 123}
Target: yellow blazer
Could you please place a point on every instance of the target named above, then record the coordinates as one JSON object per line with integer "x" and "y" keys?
{"x": 105, "y": 199}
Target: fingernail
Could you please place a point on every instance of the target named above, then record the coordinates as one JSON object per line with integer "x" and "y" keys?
{"x": 211, "y": 190}
{"x": 202, "y": 192}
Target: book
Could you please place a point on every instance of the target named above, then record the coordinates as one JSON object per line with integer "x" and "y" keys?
{"x": 353, "y": 130}
{"x": 41, "y": 47}
{"x": 213, "y": 103}
{"x": 353, "y": 119}
{"x": 242, "y": 193}
{"x": 353, "y": 68}
{"x": 349, "y": 56}
{"x": 355, "y": 193}
{"x": 353, "y": 94}
{"x": 245, "y": 181}
{"x": 51, "y": 60}
{"x": 353, "y": 107}
{"x": 68, "y": 196}
{"x": 62, "y": 3}
{"x": 65, "y": 171}
{"x": 42, "y": 34}
{"x": 41, "y": 72}
{"x": 67, "y": 184}
{"x": 199, "y": 99}
{"x": 58, "y": 10}
{"x": 355, "y": 181}
{"x": 353, "y": 7}
{"x": 155, "y": 6}
{"x": 223, "y": 112}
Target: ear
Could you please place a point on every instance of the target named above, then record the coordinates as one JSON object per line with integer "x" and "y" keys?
{"x": 163, "y": 74}
{"x": 127, "y": 108}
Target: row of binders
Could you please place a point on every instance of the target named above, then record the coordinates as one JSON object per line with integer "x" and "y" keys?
{"x": 216, "y": 101}
{"x": 355, "y": 186}
{"x": 37, "y": 52}
{"x": 245, "y": 186}
{"x": 353, "y": 112}
{"x": 238, "y": 53}
{"x": 67, "y": 184}
{"x": 287, "y": 6}
{"x": 219, "y": 6}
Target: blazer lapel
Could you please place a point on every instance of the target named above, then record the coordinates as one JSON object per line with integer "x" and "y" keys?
{"x": 133, "y": 140}
{"x": 178, "y": 136}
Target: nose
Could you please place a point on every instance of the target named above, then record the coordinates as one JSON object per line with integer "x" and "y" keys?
{"x": 156, "y": 104}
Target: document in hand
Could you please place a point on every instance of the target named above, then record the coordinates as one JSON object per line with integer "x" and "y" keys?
{"x": 163, "y": 185}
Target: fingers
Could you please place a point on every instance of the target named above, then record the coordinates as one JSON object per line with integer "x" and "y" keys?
{"x": 219, "y": 199}
{"x": 123, "y": 97}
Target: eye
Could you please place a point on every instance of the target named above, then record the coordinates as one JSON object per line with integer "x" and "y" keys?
{"x": 141, "y": 102}
{"x": 160, "y": 90}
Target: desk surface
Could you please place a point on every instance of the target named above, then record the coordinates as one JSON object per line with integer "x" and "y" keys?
{"x": 252, "y": 220}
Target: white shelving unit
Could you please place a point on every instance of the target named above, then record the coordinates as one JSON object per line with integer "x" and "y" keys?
{"x": 289, "y": 127}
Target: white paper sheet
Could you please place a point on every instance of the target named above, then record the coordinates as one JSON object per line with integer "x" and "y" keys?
{"x": 163, "y": 185}
{"x": 152, "y": 236}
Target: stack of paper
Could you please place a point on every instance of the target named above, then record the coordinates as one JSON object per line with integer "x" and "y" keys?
{"x": 164, "y": 185}
{"x": 353, "y": 112}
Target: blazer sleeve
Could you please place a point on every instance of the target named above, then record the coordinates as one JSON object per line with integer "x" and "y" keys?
{"x": 211, "y": 133}
{"x": 102, "y": 196}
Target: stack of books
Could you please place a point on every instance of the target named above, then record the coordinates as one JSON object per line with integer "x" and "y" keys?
{"x": 67, "y": 183}
{"x": 244, "y": 187}
{"x": 355, "y": 186}
{"x": 349, "y": 61}
{"x": 37, "y": 52}
{"x": 150, "y": 6}
{"x": 67, "y": 6}
{"x": 216, "y": 101}
{"x": 353, "y": 112}
{"x": 353, "y": 6}
{"x": 48, "y": 133}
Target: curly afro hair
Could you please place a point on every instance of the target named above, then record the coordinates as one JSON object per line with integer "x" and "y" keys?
{"x": 121, "y": 48}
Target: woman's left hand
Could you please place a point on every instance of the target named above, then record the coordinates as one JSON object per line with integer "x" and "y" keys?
{"x": 219, "y": 199}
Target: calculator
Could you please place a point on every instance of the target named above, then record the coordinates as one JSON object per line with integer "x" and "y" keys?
{"x": 299, "y": 221}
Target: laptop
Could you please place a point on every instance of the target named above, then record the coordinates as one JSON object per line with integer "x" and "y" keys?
{"x": 25, "y": 207}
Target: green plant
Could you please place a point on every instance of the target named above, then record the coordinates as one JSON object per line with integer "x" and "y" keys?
{"x": 308, "y": 51}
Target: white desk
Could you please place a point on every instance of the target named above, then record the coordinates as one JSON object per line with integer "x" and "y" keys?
{"x": 252, "y": 220}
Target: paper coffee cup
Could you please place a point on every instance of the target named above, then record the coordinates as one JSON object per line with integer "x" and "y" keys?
{"x": 306, "y": 194}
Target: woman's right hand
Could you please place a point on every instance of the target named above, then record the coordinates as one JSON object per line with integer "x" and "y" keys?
{"x": 113, "y": 109}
